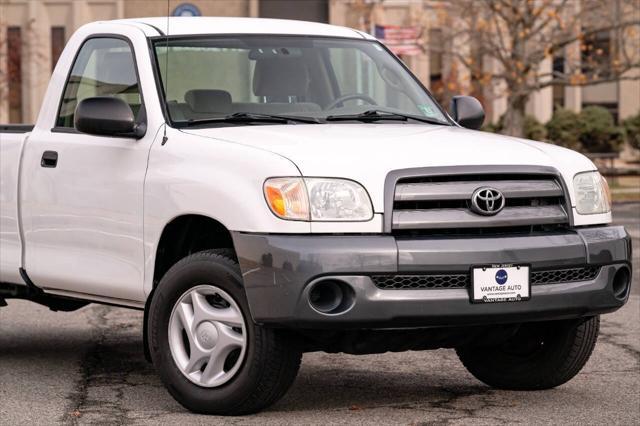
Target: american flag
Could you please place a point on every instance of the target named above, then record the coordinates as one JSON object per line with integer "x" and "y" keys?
{"x": 400, "y": 40}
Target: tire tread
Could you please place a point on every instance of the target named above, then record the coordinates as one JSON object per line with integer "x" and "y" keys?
{"x": 276, "y": 356}
{"x": 556, "y": 366}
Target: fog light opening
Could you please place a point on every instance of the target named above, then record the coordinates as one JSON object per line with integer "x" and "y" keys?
{"x": 331, "y": 297}
{"x": 621, "y": 281}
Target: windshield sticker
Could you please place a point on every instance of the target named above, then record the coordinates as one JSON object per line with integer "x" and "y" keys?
{"x": 427, "y": 110}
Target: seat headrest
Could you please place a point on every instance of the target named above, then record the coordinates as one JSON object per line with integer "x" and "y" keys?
{"x": 280, "y": 77}
{"x": 208, "y": 100}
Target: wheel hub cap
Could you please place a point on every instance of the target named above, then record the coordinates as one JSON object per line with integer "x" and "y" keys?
{"x": 207, "y": 335}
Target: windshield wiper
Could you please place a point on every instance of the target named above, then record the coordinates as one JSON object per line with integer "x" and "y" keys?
{"x": 372, "y": 115}
{"x": 246, "y": 117}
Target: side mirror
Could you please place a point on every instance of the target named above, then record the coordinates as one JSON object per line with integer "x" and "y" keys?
{"x": 107, "y": 116}
{"x": 467, "y": 111}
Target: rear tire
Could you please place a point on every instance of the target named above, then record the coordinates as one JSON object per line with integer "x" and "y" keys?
{"x": 539, "y": 356}
{"x": 261, "y": 374}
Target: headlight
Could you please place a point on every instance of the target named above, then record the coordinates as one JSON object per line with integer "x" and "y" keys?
{"x": 338, "y": 199}
{"x": 318, "y": 199}
{"x": 592, "y": 193}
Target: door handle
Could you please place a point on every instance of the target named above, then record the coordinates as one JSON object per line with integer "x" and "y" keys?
{"x": 49, "y": 159}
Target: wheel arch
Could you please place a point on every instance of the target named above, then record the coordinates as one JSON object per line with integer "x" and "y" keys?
{"x": 181, "y": 236}
{"x": 187, "y": 234}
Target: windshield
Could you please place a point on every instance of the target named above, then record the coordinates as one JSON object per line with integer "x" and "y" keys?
{"x": 211, "y": 77}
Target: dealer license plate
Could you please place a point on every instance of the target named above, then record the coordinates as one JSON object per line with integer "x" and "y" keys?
{"x": 500, "y": 283}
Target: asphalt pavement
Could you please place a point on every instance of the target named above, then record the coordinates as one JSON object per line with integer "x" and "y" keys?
{"x": 87, "y": 367}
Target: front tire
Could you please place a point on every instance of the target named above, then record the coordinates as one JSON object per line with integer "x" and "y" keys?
{"x": 539, "y": 356}
{"x": 208, "y": 352}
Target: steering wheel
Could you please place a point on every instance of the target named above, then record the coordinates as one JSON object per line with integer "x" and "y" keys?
{"x": 344, "y": 98}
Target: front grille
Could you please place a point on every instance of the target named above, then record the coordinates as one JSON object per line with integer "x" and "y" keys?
{"x": 498, "y": 231}
{"x": 442, "y": 204}
{"x": 565, "y": 275}
{"x": 444, "y": 281}
{"x": 413, "y": 282}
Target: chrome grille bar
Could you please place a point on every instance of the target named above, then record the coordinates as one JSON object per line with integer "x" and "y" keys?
{"x": 458, "y": 190}
{"x": 463, "y": 218}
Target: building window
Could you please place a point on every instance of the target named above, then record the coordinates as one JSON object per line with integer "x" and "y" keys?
{"x": 558, "y": 89}
{"x": 57, "y": 44}
{"x": 14, "y": 71}
{"x": 312, "y": 10}
{"x": 596, "y": 55}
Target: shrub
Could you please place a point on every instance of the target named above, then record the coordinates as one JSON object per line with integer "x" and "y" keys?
{"x": 494, "y": 127}
{"x": 632, "y": 129}
{"x": 564, "y": 129}
{"x": 598, "y": 131}
{"x": 491, "y": 128}
{"x": 533, "y": 129}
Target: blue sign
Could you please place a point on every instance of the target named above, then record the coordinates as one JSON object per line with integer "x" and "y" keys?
{"x": 186, "y": 9}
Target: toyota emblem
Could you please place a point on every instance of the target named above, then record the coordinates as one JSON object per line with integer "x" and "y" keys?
{"x": 487, "y": 201}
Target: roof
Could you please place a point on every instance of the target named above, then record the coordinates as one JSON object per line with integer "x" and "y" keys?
{"x": 219, "y": 25}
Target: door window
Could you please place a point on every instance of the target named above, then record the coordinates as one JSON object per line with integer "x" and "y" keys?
{"x": 103, "y": 67}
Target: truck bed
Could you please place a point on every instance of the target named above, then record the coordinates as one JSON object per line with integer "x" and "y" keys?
{"x": 15, "y": 128}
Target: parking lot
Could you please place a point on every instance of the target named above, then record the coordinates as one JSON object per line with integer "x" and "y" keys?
{"x": 87, "y": 367}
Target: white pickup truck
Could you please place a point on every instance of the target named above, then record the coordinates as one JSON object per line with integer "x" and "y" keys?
{"x": 265, "y": 188}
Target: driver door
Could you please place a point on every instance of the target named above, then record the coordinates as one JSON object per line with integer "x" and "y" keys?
{"x": 82, "y": 195}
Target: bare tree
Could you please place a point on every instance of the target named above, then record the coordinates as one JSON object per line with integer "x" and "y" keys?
{"x": 598, "y": 39}
{"x": 4, "y": 81}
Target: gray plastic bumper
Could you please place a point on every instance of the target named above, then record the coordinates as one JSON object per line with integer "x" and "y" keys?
{"x": 278, "y": 270}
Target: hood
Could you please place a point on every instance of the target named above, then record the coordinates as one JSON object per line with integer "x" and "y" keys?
{"x": 366, "y": 153}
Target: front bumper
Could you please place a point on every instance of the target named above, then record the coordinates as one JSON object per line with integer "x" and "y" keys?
{"x": 278, "y": 271}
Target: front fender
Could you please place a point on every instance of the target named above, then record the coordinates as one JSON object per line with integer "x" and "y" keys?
{"x": 218, "y": 179}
